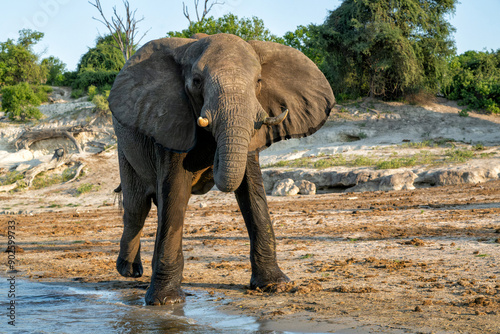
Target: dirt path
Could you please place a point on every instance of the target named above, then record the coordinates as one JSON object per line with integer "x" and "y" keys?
{"x": 425, "y": 260}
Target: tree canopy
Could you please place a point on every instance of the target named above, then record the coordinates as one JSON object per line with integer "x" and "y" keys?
{"x": 55, "y": 68}
{"x": 386, "y": 48}
{"x": 104, "y": 56}
{"x": 98, "y": 67}
{"x": 248, "y": 29}
{"x": 18, "y": 61}
{"x": 474, "y": 78}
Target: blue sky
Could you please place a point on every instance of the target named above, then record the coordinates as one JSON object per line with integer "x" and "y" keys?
{"x": 70, "y": 30}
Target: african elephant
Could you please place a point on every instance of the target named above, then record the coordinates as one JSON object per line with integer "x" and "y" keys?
{"x": 191, "y": 113}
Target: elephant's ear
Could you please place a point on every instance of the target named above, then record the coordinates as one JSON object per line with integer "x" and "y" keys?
{"x": 290, "y": 80}
{"x": 148, "y": 95}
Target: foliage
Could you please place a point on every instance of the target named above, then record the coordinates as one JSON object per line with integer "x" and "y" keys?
{"x": 102, "y": 79}
{"x": 92, "y": 91}
{"x": 18, "y": 62}
{"x": 28, "y": 37}
{"x": 85, "y": 188}
{"x": 68, "y": 78}
{"x": 248, "y": 29}
{"x": 98, "y": 67}
{"x": 421, "y": 158}
{"x": 101, "y": 104}
{"x": 386, "y": 48}
{"x": 459, "y": 155}
{"x": 11, "y": 177}
{"x": 20, "y": 100}
{"x": 475, "y": 79}
{"x": 44, "y": 180}
{"x": 102, "y": 57}
{"x": 305, "y": 39}
{"x": 55, "y": 70}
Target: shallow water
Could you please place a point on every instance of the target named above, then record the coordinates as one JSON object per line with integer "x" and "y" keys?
{"x": 57, "y": 308}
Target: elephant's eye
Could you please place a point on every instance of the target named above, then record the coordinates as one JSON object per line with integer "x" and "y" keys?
{"x": 197, "y": 82}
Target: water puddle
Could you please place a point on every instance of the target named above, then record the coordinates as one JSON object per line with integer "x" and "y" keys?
{"x": 57, "y": 308}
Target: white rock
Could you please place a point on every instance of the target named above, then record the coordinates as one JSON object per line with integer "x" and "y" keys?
{"x": 285, "y": 187}
{"x": 306, "y": 187}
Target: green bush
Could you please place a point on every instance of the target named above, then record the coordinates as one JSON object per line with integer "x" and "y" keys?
{"x": 20, "y": 100}
{"x": 44, "y": 180}
{"x": 69, "y": 78}
{"x": 92, "y": 90}
{"x": 101, "y": 104}
{"x": 42, "y": 92}
{"x": 85, "y": 188}
{"x": 101, "y": 79}
{"x": 475, "y": 80}
{"x": 11, "y": 177}
{"x": 76, "y": 93}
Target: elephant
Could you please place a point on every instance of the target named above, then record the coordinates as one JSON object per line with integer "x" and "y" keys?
{"x": 191, "y": 113}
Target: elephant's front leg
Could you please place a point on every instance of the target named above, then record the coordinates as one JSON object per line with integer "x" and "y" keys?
{"x": 251, "y": 198}
{"x": 168, "y": 261}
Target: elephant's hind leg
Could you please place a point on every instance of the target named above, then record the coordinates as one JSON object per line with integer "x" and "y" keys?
{"x": 136, "y": 206}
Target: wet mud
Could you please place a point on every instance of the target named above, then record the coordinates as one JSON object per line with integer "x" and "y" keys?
{"x": 424, "y": 260}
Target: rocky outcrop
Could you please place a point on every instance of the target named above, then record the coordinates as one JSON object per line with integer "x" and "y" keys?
{"x": 306, "y": 187}
{"x": 285, "y": 187}
{"x": 369, "y": 179}
{"x": 289, "y": 187}
{"x": 459, "y": 175}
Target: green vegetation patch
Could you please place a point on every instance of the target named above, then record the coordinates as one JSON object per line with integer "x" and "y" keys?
{"x": 421, "y": 158}
{"x": 431, "y": 143}
{"x": 20, "y": 101}
{"x": 475, "y": 81}
{"x": 459, "y": 155}
{"x": 11, "y": 177}
{"x": 85, "y": 188}
{"x": 45, "y": 179}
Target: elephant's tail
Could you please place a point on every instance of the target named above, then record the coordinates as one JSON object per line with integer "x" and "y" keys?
{"x": 118, "y": 196}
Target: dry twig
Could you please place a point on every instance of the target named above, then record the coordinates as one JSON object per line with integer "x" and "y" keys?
{"x": 123, "y": 30}
{"x": 206, "y": 9}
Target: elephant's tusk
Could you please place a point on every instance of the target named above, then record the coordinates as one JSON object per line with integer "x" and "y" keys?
{"x": 203, "y": 122}
{"x": 276, "y": 120}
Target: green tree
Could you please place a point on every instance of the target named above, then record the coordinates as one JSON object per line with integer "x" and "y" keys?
{"x": 99, "y": 66}
{"x": 104, "y": 56}
{"x": 55, "y": 68}
{"x": 387, "y": 48}
{"x": 28, "y": 37}
{"x": 20, "y": 100}
{"x": 248, "y": 29}
{"x": 306, "y": 40}
{"x": 474, "y": 78}
{"x": 18, "y": 62}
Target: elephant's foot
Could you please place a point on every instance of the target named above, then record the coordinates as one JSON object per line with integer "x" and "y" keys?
{"x": 128, "y": 269}
{"x": 164, "y": 297}
{"x": 265, "y": 278}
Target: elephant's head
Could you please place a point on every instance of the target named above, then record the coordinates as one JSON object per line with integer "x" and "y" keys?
{"x": 237, "y": 90}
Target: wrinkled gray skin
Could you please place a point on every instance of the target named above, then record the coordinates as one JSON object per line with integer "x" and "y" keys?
{"x": 165, "y": 157}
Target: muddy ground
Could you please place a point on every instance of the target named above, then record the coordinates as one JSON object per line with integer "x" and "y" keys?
{"x": 424, "y": 260}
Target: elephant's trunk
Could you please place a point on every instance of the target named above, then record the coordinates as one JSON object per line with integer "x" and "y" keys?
{"x": 230, "y": 158}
